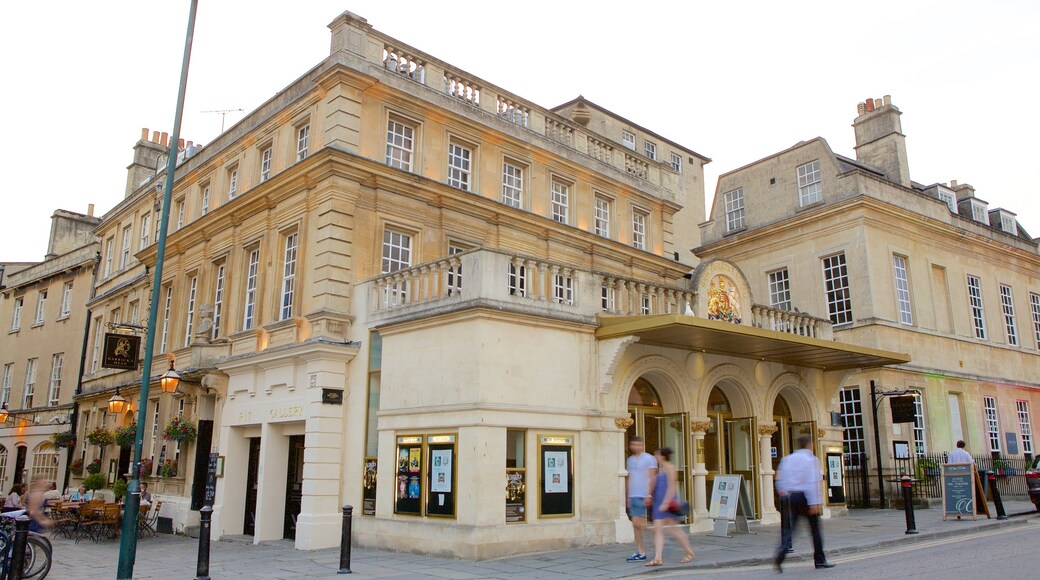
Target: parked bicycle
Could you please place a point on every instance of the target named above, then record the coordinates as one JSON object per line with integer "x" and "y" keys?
{"x": 38, "y": 550}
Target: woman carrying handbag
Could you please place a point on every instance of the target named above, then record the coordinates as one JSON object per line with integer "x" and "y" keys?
{"x": 667, "y": 508}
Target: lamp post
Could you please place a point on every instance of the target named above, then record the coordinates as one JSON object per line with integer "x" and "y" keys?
{"x": 128, "y": 539}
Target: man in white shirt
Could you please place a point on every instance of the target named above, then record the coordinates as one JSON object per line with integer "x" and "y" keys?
{"x": 642, "y": 469}
{"x": 959, "y": 455}
{"x": 798, "y": 481}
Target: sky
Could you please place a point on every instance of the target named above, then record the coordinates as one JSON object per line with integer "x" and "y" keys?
{"x": 735, "y": 81}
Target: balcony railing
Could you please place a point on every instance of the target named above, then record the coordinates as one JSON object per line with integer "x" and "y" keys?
{"x": 791, "y": 322}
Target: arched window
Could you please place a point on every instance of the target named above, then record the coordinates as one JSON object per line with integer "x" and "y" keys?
{"x": 643, "y": 395}
{"x": 44, "y": 462}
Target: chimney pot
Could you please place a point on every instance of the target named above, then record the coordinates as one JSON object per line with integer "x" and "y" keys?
{"x": 887, "y": 99}
{"x": 90, "y": 206}
{"x": 144, "y": 133}
{"x": 180, "y": 144}
{"x": 190, "y": 143}
{"x": 861, "y": 108}
{"x": 869, "y": 104}
{"x": 155, "y": 136}
{"x": 953, "y": 183}
{"x": 164, "y": 139}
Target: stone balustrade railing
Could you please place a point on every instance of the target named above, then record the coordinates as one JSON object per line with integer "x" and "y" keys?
{"x": 636, "y": 166}
{"x": 626, "y": 296}
{"x": 792, "y": 322}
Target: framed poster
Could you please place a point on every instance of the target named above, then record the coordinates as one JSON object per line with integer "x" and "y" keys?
{"x": 408, "y": 484}
{"x": 440, "y": 494}
{"x": 835, "y": 476}
{"x": 516, "y": 495}
{"x": 368, "y": 487}
{"x": 556, "y": 489}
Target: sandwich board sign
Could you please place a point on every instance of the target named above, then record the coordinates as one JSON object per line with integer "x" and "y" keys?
{"x": 962, "y": 491}
{"x": 730, "y": 502}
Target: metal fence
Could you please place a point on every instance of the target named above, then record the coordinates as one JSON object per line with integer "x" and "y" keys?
{"x": 857, "y": 480}
{"x": 927, "y": 469}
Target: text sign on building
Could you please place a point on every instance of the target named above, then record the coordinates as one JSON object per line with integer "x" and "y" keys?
{"x": 120, "y": 351}
{"x": 902, "y": 409}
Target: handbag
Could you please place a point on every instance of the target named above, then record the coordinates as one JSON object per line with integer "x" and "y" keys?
{"x": 678, "y": 507}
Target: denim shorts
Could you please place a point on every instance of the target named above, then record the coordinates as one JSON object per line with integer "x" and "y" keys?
{"x": 637, "y": 507}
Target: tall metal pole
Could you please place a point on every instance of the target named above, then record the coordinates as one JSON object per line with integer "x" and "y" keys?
{"x": 877, "y": 444}
{"x": 128, "y": 539}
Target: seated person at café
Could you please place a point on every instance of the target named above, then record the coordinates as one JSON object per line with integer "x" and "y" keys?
{"x": 80, "y": 495}
{"x": 146, "y": 496}
{"x": 52, "y": 495}
{"x": 14, "y": 499}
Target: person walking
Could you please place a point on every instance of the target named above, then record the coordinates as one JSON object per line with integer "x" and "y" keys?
{"x": 642, "y": 469}
{"x": 666, "y": 517}
{"x": 960, "y": 455}
{"x": 798, "y": 480}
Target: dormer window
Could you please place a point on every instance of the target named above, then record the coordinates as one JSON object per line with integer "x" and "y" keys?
{"x": 1007, "y": 223}
{"x": 979, "y": 212}
{"x": 949, "y": 198}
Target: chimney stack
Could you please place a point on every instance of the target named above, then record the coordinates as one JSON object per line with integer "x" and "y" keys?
{"x": 90, "y": 209}
{"x": 879, "y": 138}
{"x": 146, "y": 155}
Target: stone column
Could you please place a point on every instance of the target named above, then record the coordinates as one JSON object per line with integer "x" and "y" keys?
{"x": 623, "y": 527}
{"x": 765, "y": 468}
{"x": 698, "y": 427}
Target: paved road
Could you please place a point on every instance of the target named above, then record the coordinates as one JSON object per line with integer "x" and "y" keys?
{"x": 1002, "y": 553}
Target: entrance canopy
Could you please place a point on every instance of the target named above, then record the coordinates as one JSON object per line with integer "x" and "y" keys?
{"x": 719, "y": 337}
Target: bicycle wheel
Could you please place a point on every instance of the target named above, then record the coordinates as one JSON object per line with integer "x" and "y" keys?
{"x": 38, "y": 551}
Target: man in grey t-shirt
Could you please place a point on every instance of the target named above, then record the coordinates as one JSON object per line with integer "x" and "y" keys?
{"x": 642, "y": 469}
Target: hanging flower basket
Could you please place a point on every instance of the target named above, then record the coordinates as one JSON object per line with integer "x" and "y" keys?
{"x": 77, "y": 467}
{"x": 168, "y": 469}
{"x": 64, "y": 440}
{"x": 180, "y": 430}
{"x": 146, "y": 467}
{"x": 94, "y": 467}
{"x": 101, "y": 437}
{"x": 126, "y": 436}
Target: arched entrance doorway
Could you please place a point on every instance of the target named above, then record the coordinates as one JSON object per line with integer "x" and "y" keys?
{"x": 658, "y": 428}
{"x": 730, "y": 445}
{"x": 792, "y": 419}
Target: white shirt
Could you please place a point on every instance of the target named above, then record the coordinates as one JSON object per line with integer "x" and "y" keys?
{"x": 959, "y": 455}
{"x": 800, "y": 471}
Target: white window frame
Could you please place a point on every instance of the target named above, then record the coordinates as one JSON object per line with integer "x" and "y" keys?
{"x": 193, "y": 288}
{"x": 734, "y": 205}
{"x": 288, "y": 294}
{"x": 810, "y": 189}
{"x": 949, "y": 199}
{"x": 54, "y": 392}
{"x": 400, "y": 143}
{"x": 1007, "y": 224}
{"x": 180, "y": 214}
{"x": 601, "y": 216}
{"x": 560, "y": 201}
{"x": 640, "y": 229}
{"x": 979, "y": 212}
{"x": 166, "y": 319}
{"x": 628, "y": 139}
{"x": 41, "y": 306}
{"x": 265, "y": 163}
{"x": 1007, "y": 307}
{"x": 460, "y": 166}
{"x": 920, "y": 436}
{"x": 1025, "y": 425}
{"x": 780, "y": 289}
{"x": 134, "y": 311}
{"x": 128, "y": 235}
{"x": 650, "y": 149}
{"x": 30, "y": 383}
{"x": 16, "y": 315}
{"x": 218, "y": 300}
{"x": 146, "y": 231}
{"x": 66, "y": 300}
{"x": 1034, "y": 307}
{"x": 902, "y": 285}
{"x": 608, "y": 302}
{"x": 109, "y": 252}
{"x": 677, "y": 163}
{"x": 252, "y": 271}
{"x": 95, "y": 358}
{"x": 517, "y": 280}
{"x": 837, "y": 289}
{"x": 513, "y": 184}
{"x": 563, "y": 288}
{"x": 232, "y": 183}
{"x": 977, "y": 306}
{"x": 992, "y": 417}
{"x": 851, "y": 408}
{"x": 396, "y": 255}
{"x": 303, "y": 140}
{"x": 204, "y": 204}
{"x": 5, "y": 391}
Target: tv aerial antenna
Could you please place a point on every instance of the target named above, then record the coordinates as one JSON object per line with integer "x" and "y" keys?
{"x": 223, "y": 114}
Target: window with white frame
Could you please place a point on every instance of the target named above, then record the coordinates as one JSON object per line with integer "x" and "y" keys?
{"x": 204, "y": 201}
{"x": 836, "y": 288}
{"x": 978, "y": 313}
{"x": 607, "y": 303}
{"x": 45, "y": 463}
{"x": 650, "y": 149}
{"x": 66, "y": 299}
{"x": 288, "y": 277}
{"x": 676, "y": 163}
{"x": 5, "y": 393}
{"x": 980, "y": 212}
{"x": 134, "y": 311}
{"x": 920, "y": 443}
{"x": 158, "y": 223}
{"x": 780, "y": 289}
{"x": 252, "y": 270}
{"x": 30, "y": 384}
{"x": 109, "y": 251}
{"x": 218, "y": 301}
{"x": 455, "y": 274}
{"x": 397, "y": 255}
{"x": 639, "y": 229}
{"x": 3, "y": 463}
{"x": 1034, "y": 306}
{"x": 989, "y": 405}
{"x": 902, "y": 281}
{"x": 16, "y": 316}
{"x": 512, "y": 185}
{"x": 54, "y": 392}
{"x": 95, "y": 357}
{"x": 180, "y": 214}
{"x": 517, "y": 279}
{"x": 265, "y": 164}
{"x": 1007, "y": 306}
{"x": 146, "y": 230}
{"x": 41, "y": 307}
{"x": 1007, "y": 223}
{"x": 166, "y": 319}
{"x": 128, "y": 234}
{"x": 734, "y": 201}
{"x": 645, "y": 304}
{"x": 155, "y": 427}
{"x": 601, "y": 219}
{"x": 851, "y": 408}
{"x": 303, "y": 138}
{"x": 949, "y": 199}
{"x": 628, "y": 140}
{"x": 810, "y": 189}
{"x": 563, "y": 289}
{"x": 190, "y": 313}
{"x": 232, "y": 189}
{"x": 560, "y": 201}
{"x": 1025, "y": 426}
{"x": 400, "y": 144}
{"x": 460, "y": 166}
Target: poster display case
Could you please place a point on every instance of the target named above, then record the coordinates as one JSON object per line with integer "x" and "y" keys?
{"x": 440, "y": 476}
{"x": 368, "y": 487}
{"x": 408, "y": 487}
{"x": 556, "y": 488}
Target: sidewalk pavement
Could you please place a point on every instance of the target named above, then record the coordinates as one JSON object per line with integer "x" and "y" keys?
{"x": 175, "y": 556}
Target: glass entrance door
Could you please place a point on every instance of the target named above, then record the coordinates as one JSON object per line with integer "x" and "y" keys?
{"x": 742, "y": 454}
{"x": 802, "y": 428}
{"x": 672, "y": 433}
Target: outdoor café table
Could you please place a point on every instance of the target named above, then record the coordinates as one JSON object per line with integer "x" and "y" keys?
{"x": 99, "y": 521}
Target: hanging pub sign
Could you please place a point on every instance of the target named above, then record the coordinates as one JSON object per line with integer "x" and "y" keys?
{"x": 120, "y": 351}
{"x": 556, "y": 492}
{"x": 903, "y": 409}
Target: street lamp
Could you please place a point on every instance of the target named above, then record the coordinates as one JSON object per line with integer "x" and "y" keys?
{"x": 169, "y": 381}
{"x": 3, "y": 413}
{"x": 117, "y": 403}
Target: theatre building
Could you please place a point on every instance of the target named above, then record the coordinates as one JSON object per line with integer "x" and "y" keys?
{"x": 397, "y": 286}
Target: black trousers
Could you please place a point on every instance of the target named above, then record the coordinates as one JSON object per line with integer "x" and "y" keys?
{"x": 795, "y": 505}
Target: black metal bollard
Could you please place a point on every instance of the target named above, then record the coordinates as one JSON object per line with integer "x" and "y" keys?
{"x": 908, "y": 504}
{"x": 1001, "y": 514}
{"x": 202, "y": 568}
{"x": 21, "y": 536}
{"x": 344, "y": 540}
